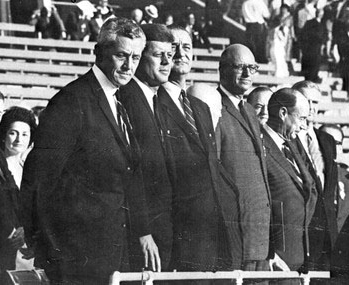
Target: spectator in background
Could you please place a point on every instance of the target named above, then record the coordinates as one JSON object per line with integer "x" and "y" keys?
{"x": 17, "y": 129}
{"x": 318, "y": 151}
{"x": 2, "y": 104}
{"x": 95, "y": 25}
{"x": 340, "y": 255}
{"x": 151, "y": 13}
{"x": 312, "y": 38}
{"x": 307, "y": 13}
{"x": 255, "y": 12}
{"x": 37, "y": 110}
{"x": 137, "y": 15}
{"x": 197, "y": 32}
{"x": 105, "y": 9}
{"x": 49, "y": 25}
{"x": 77, "y": 26}
{"x": 168, "y": 19}
{"x": 259, "y": 98}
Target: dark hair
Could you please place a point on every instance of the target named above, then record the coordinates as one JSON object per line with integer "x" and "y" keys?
{"x": 300, "y": 85}
{"x": 284, "y": 97}
{"x": 2, "y": 96}
{"x": 177, "y": 27}
{"x": 157, "y": 32}
{"x": 288, "y": 8}
{"x": 16, "y": 114}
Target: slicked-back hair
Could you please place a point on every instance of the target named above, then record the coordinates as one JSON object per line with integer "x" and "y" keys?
{"x": 176, "y": 27}
{"x": 300, "y": 85}
{"x": 16, "y": 114}
{"x": 284, "y": 97}
{"x": 157, "y": 33}
{"x": 114, "y": 28}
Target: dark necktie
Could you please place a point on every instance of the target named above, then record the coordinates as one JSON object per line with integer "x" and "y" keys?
{"x": 243, "y": 111}
{"x": 122, "y": 117}
{"x": 157, "y": 116}
{"x": 188, "y": 111}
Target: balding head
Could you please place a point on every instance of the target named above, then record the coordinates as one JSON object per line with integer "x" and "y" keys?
{"x": 288, "y": 110}
{"x": 236, "y": 66}
{"x": 137, "y": 15}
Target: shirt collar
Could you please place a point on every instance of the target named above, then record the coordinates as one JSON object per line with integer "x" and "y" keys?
{"x": 148, "y": 93}
{"x": 279, "y": 141}
{"x": 233, "y": 98}
{"x": 108, "y": 87}
{"x": 173, "y": 90}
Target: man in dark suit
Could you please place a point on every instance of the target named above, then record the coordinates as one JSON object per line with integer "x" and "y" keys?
{"x": 318, "y": 150}
{"x": 83, "y": 176}
{"x": 200, "y": 238}
{"x": 291, "y": 186}
{"x": 242, "y": 156}
{"x": 138, "y": 98}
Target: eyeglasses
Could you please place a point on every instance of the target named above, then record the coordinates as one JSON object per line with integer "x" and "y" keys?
{"x": 252, "y": 68}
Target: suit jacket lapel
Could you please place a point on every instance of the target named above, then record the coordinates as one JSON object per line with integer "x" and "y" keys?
{"x": 234, "y": 112}
{"x": 177, "y": 116}
{"x": 104, "y": 105}
{"x": 274, "y": 151}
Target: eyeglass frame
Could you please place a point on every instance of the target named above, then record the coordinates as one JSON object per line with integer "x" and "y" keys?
{"x": 252, "y": 68}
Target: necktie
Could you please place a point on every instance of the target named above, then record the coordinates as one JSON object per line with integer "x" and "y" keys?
{"x": 121, "y": 117}
{"x": 188, "y": 111}
{"x": 316, "y": 158}
{"x": 157, "y": 116}
{"x": 243, "y": 111}
{"x": 290, "y": 158}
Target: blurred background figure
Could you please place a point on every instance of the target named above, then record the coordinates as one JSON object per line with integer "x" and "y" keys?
{"x": 197, "y": 31}
{"x": 77, "y": 26}
{"x": 16, "y": 136}
{"x": 313, "y": 36}
{"x": 105, "y": 9}
{"x": 49, "y": 24}
{"x": 168, "y": 19}
{"x": 2, "y": 104}
{"x": 151, "y": 13}
{"x": 259, "y": 98}
{"x": 95, "y": 25}
{"x": 281, "y": 36}
{"x": 137, "y": 15}
{"x": 37, "y": 110}
{"x": 210, "y": 96}
{"x": 255, "y": 12}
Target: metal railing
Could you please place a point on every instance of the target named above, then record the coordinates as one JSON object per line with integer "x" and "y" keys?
{"x": 148, "y": 277}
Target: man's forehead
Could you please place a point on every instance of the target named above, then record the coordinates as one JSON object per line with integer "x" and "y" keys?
{"x": 180, "y": 35}
{"x": 312, "y": 94}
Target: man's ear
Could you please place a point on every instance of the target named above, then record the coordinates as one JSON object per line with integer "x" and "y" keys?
{"x": 283, "y": 113}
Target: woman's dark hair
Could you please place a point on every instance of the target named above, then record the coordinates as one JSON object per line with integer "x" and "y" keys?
{"x": 16, "y": 114}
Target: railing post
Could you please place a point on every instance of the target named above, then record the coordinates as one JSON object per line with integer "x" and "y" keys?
{"x": 239, "y": 279}
{"x": 306, "y": 280}
{"x": 115, "y": 278}
{"x": 149, "y": 277}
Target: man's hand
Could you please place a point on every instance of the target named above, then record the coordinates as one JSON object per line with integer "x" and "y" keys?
{"x": 17, "y": 239}
{"x": 278, "y": 262}
{"x": 150, "y": 250}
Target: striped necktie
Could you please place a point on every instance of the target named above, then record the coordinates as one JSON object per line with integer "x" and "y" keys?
{"x": 121, "y": 117}
{"x": 188, "y": 111}
{"x": 290, "y": 158}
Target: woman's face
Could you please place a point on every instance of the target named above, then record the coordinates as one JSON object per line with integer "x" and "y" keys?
{"x": 17, "y": 138}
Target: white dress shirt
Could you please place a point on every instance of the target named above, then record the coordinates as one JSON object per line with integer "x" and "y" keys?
{"x": 149, "y": 93}
{"x": 174, "y": 91}
{"x": 279, "y": 141}
{"x": 254, "y": 11}
{"x": 109, "y": 88}
{"x": 234, "y": 99}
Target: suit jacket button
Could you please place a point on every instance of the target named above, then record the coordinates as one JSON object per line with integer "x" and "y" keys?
{"x": 210, "y": 135}
{"x": 123, "y": 225}
{"x": 128, "y": 168}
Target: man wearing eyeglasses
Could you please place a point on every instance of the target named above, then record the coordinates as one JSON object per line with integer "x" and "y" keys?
{"x": 242, "y": 156}
{"x": 319, "y": 152}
